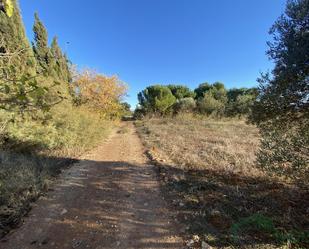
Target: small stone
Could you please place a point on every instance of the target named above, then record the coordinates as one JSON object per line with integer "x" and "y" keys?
{"x": 205, "y": 245}
{"x": 190, "y": 242}
{"x": 64, "y": 211}
{"x": 196, "y": 238}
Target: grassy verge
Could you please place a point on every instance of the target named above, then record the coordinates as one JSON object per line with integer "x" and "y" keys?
{"x": 207, "y": 168}
{"x": 33, "y": 153}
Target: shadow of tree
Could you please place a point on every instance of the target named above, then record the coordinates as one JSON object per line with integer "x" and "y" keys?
{"x": 113, "y": 204}
{"x": 209, "y": 202}
{"x": 97, "y": 204}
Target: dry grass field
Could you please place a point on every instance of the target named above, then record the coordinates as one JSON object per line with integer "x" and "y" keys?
{"x": 208, "y": 171}
{"x": 228, "y": 145}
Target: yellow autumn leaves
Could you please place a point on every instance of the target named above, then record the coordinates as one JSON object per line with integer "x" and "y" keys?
{"x": 8, "y": 7}
{"x": 99, "y": 92}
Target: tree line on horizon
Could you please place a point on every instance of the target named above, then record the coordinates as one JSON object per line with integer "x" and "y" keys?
{"x": 279, "y": 107}
{"x": 208, "y": 99}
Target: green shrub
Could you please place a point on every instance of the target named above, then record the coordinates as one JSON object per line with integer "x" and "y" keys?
{"x": 184, "y": 105}
{"x": 210, "y": 106}
{"x": 64, "y": 128}
{"x": 285, "y": 152}
{"x": 240, "y": 101}
{"x": 202, "y": 89}
{"x": 259, "y": 223}
{"x": 254, "y": 223}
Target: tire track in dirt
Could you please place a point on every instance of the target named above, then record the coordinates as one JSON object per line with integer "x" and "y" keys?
{"x": 110, "y": 199}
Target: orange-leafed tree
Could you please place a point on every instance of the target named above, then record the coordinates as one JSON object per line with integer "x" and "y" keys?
{"x": 99, "y": 92}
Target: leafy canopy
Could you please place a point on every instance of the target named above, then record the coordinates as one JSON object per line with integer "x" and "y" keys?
{"x": 282, "y": 108}
{"x": 156, "y": 99}
{"x": 180, "y": 91}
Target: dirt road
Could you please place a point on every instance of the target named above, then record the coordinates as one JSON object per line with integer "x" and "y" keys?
{"x": 110, "y": 199}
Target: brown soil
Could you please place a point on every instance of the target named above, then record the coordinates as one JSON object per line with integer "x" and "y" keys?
{"x": 110, "y": 199}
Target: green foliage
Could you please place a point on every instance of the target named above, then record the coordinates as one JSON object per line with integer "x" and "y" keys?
{"x": 180, "y": 91}
{"x": 60, "y": 63}
{"x": 25, "y": 94}
{"x": 184, "y": 105}
{"x": 233, "y": 93}
{"x": 41, "y": 50}
{"x": 298, "y": 239}
{"x": 210, "y": 105}
{"x": 126, "y": 108}
{"x": 285, "y": 152}
{"x": 254, "y": 223}
{"x": 214, "y": 100}
{"x": 201, "y": 90}
{"x": 282, "y": 107}
{"x": 156, "y": 99}
{"x": 20, "y": 89}
{"x": 258, "y": 223}
{"x": 13, "y": 41}
{"x": 240, "y": 101}
{"x": 64, "y": 128}
{"x": 243, "y": 104}
{"x": 284, "y": 97}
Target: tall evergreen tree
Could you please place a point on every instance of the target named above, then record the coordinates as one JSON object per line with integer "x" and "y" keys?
{"x": 13, "y": 40}
{"x": 21, "y": 89}
{"x": 61, "y": 66}
{"x": 40, "y": 47}
{"x": 67, "y": 68}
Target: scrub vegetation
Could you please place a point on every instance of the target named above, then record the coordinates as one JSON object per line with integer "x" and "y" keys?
{"x": 50, "y": 112}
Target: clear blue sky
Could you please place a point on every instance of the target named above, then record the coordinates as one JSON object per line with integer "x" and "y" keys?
{"x": 163, "y": 41}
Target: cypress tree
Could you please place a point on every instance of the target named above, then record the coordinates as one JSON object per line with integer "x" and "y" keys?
{"x": 61, "y": 62}
{"x": 13, "y": 40}
{"x": 40, "y": 47}
{"x": 67, "y": 68}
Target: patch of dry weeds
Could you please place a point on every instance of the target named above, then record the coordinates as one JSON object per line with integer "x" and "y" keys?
{"x": 208, "y": 171}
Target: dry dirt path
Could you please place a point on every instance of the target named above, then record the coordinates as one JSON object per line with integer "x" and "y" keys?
{"x": 110, "y": 199}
